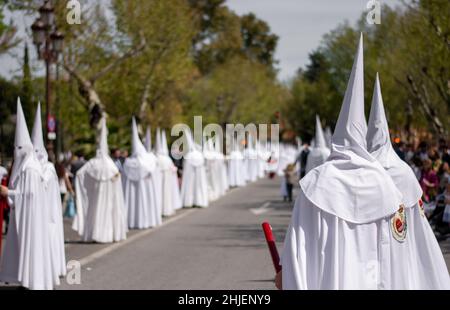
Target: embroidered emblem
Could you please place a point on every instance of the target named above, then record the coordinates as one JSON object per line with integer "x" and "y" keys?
{"x": 421, "y": 208}
{"x": 398, "y": 224}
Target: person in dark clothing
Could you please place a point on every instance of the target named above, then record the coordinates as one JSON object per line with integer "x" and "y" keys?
{"x": 444, "y": 151}
{"x": 400, "y": 150}
{"x": 302, "y": 159}
{"x": 77, "y": 162}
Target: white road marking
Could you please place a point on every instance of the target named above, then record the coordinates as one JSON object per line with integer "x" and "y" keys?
{"x": 261, "y": 210}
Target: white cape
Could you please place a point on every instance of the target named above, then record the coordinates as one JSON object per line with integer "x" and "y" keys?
{"x": 194, "y": 186}
{"x": 27, "y": 255}
{"x": 169, "y": 186}
{"x": 100, "y": 205}
{"x": 53, "y": 202}
{"x": 322, "y": 251}
{"x": 425, "y": 262}
{"x": 236, "y": 170}
{"x": 140, "y": 194}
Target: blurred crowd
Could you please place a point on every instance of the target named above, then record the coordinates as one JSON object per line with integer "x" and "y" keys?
{"x": 430, "y": 163}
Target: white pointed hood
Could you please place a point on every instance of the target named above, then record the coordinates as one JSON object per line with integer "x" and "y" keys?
{"x": 102, "y": 146}
{"x": 137, "y": 148}
{"x": 158, "y": 148}
{"x": 164, "y": 160}
{"x": 193, "y": 156}
{"x": 140, "y": 164}
{"x": 352, "y": 185}
{"x": 320, "y": 137}
{"x": 319, "y": 151}
{"x": 380, "y": 146}
{"x": 37, "y": 137}
{"x": 328, "y": 136}
{"x": 148, "y": 140}
{"x": 164, "y": 145}
{"x": 236, "y": 153}
{"x": 101, "y": 167}
{"x": 217, "y": 148}
{"x": 351, "y": 128}
{"x": 23, "y": 148}
{"x": 208, "y": 150}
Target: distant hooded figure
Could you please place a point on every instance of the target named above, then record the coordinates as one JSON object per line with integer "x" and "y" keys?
{"x": 236, "y": 167}
{"x": 53, "y": 200}
{"x": 341, "y": 233}
{"x": 157, "y": 174}
{"x": 423, "y": 259}
{"x": 320, "y": 152}
{"x": 27, "y": 253}
{"x": 328, "y": 136}
{"x": 170, "y": 189}
{"x": 251, "y": 161}
{"x": 223, "y": 185}
{"x": 194, "y": 186}
{"x": 100, "y": 206}
{"x": 139, "y": 186}
{"x": 263, "y": 157}
{"x": 212, "y": 170}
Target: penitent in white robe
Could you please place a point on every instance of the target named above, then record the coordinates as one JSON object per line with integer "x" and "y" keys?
{"x": 348, "y": 228}
{"x": 194, "y": 186}
{"x": 236, "y": 170}
{"x": 324, "y": 252}
{"x": 26, "y": 256}
{"x": 251, "y": 164}
{"x": 140, "y": 193}
{"x": 101, "y": 213}
{"x": 53, "y": 202}
{"x": 425, "y": 262}
{"x": 27, "y": 253}
{"x": 169, "y": 186}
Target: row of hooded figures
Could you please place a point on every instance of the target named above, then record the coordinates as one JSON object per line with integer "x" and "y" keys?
{"x": 109, "y": 200}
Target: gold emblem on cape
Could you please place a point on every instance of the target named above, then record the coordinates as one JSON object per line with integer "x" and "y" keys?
{"x": 398, "y": 224}
{"x": 421, "y": 208}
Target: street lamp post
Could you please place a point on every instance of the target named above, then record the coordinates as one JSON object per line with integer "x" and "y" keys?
{"x": 49, "y": 44}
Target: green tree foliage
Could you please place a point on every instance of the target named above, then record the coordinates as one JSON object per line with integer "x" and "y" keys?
{"x": 236, "y": 91}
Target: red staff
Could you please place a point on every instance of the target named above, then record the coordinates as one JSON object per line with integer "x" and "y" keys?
{"x": 3, "y": 207}
{"x": 272, "y": 246}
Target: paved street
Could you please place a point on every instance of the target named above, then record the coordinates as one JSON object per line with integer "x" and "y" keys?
{"x": 221, "y": 247}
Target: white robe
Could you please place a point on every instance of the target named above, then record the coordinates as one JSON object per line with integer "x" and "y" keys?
{"x": 236, "y": 168}
{"x": 252, "y": 165}
{"x": 170, "y": 191}
{"x": 322, "y": 251}
{"x": 140, "y": 194}
{"x": 213, "y": 177}
{"x": 428, "y": 270}
{"x": 101, "y": 213}
{"x": 53, "y": 202}
{"x": 223, "y": 177}
{"x": 194, "y": 186}
{"x": 27, "y": 255}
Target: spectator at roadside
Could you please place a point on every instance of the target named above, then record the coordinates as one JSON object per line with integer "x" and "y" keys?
{"x": 429, "y": 181}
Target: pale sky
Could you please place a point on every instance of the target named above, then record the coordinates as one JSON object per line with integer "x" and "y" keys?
{"x": 300, "y": 24}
